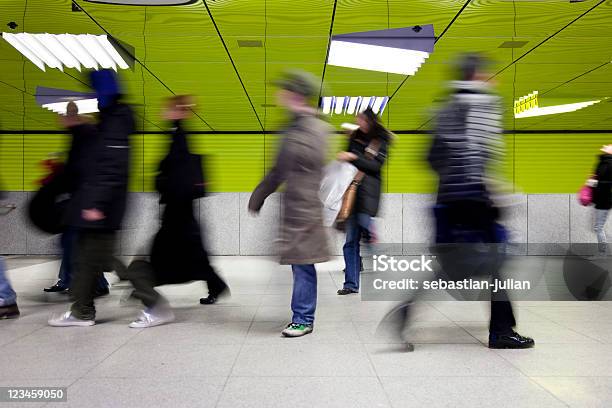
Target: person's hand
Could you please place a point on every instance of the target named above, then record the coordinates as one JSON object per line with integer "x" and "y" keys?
{"x": 346, "y": 156}
{"x": 92, "y": 214}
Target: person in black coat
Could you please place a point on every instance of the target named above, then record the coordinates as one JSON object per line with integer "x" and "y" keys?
{"x": 72, "y": 177}
{"x": 98, "y": 206}
{"x": 367, "y": 151}
{"x": 602, "y": 197}
{"x": 178, "y": 254}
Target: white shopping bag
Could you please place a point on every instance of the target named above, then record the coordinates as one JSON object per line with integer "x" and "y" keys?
{"x": 336, "y": 179}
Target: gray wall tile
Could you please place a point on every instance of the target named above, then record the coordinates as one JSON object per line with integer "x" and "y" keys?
{"x": 140, "y": 224}
{"x": 258, "y": 235}
{"x": 388, "y": 225}
{"x": 548, "y": 224}
{"x": 14, "y": 225}
{"x": 219, "y": 220}
{"x": 417, "y": 223}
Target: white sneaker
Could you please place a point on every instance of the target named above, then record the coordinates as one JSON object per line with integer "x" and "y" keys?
{"x": 152, "y": 317}
{"x": 67, "y": 319}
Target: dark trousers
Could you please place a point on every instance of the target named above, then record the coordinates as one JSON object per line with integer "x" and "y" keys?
{"x": 94, "y": 251}
{"x": 142, "y": 277}
{"x": 68, "y": 242}
{"x": 468, "y": 223}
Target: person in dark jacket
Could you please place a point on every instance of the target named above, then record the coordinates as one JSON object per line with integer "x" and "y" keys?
{"x": 367, "y": 151}
{"x": 73, "y": 175}
{"x": 299, "y": 165}
{"x": 602, "y": 197}
{"x": 467, "y": 144}
{"x": 97, "y": 208}
{"x": 178, "y": 254}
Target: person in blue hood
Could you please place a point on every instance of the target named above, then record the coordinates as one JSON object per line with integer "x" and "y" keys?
{"x": 98, "y": 206}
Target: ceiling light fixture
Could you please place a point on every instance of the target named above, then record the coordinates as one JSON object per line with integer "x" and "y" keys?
{"x": 397, "y": 51}
{"x": 145, "y": 2}
{"x": 551, "y": 110}
{"x": 84, "y": 105}
{"x": 352, "y": 105}
{"x": 56, "y": 100}
{"x": 68, "y": 50}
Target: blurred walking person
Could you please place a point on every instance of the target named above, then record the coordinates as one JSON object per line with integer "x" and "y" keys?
{"x": 299, "y": 165}
{"x": 367, "y": 151}
{"x": 98, "y": 206}
{"x": 178, "y": 254}
{"x": 72, "y": 175}
{"x": 602, "y": 197}
{"x": 467, "y": 145}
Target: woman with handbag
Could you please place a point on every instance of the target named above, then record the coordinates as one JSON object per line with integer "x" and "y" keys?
{"x": 367, "y": 151}
{"x": 602, "y": 197}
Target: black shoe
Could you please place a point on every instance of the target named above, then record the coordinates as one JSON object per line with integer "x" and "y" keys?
{"x": 511, "y": 340}
{"x": 211, "y": 299}
{"x": 101, "y": 292}
{"x": 346, "y": 291}
{"x": 9, "y": 312}
{"x": 57, "y": 288}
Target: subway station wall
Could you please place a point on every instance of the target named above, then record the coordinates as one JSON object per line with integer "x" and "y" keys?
{"x": 535, "y": 163}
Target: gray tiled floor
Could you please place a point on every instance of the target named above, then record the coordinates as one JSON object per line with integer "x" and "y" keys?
{"x": 231, "y": 354}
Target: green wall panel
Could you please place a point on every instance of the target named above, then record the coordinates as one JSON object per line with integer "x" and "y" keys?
{"x": 534, "y": 163}
{"x": 11, "y": 162}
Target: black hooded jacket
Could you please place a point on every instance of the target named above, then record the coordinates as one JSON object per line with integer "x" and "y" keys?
{"x": 104, "y": 182}
{"x": 602, "y": 196}
{"x": 368, "y": 193}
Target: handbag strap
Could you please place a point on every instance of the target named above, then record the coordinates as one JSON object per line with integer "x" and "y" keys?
{"x": 370, "y": 152}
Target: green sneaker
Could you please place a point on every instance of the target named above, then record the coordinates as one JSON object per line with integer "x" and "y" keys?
{"x": 296, "y": 330}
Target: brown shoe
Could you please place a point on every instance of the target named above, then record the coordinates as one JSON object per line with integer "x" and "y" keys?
{"x": 9, "y": 312}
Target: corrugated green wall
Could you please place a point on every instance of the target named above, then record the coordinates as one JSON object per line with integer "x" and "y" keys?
{"x": 547, "y": 163}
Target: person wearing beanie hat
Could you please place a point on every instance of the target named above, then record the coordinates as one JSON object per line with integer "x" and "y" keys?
{"x": 299, "y": 165}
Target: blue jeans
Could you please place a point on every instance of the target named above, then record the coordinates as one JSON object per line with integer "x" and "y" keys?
{"x": 304, "y": 299}
{"x": 68, "y": 242}
{"x": 601, "y": 217}
{"x": 7, "y": 294}
{"x": 357, "y": 225}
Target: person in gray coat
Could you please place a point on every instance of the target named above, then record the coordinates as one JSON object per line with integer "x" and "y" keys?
{"x": 299, "y": 165}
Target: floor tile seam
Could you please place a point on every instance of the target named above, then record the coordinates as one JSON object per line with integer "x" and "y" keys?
{"x": 41, "y": 326}
{"x": 119, "y": 347}
{"x": 499, "y": 353}
{"x": 222, "y": 391}
{"x": 377, "y": 376}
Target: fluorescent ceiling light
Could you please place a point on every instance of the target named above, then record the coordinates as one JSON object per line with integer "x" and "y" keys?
{"x": 551, "y": 110}
{"x": 397, "y": 51}
{"x": 56, "y": 100}
{"x": 84, "y": 105}
{"x": 326, "y": 104}
{"x": 339, "y": 105}
{"x": 145, "y": 2}
{"x": 352, "y": 105}
{"x": 67, "y": 50}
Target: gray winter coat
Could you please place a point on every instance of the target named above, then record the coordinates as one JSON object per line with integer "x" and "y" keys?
{"x": 299, "y": 164}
